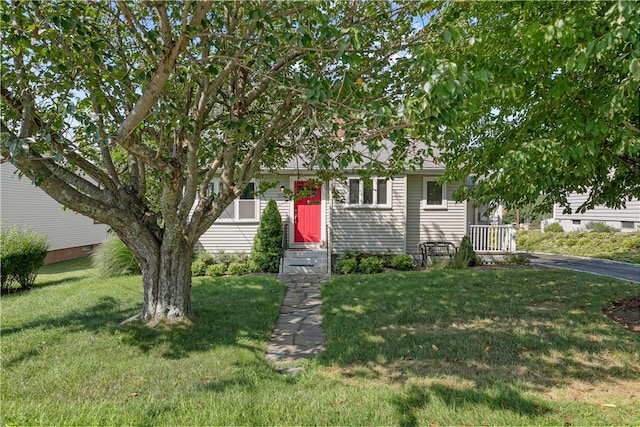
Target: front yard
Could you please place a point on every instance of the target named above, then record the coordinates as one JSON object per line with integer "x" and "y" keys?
{"x": 496, "y": 347}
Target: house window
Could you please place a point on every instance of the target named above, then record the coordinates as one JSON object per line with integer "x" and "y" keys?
{"x": 434, "y": 194}
{"x": 576, "y": 222}
{"x": 369, "y": 192}
{"x": 627, "y": 225}
{"x": 243, "y": 207}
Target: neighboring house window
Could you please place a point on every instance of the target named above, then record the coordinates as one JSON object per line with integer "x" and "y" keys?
{"x": 243, "y": 208}
{"x": 627, "y": 225}
{"x": 369, "y": 192}
{"x": 434, "y": 194}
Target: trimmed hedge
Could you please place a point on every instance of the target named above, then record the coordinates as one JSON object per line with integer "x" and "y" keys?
{"x": 22, "y": 253}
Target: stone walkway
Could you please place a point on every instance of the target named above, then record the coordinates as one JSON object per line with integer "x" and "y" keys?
{"x": 298, "y": 332}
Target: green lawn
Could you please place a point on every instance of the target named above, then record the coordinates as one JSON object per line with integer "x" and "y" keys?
{"x": 499, "y": 347}
{"x": 616, "y": 246}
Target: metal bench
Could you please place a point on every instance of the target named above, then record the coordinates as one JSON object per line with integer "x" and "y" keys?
{"x": 435, "y": 250}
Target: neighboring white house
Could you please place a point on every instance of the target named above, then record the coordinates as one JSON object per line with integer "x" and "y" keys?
{"x": 71, "y": 235}
{"x": 627, "y": 219}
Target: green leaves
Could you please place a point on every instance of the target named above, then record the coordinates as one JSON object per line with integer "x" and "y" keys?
{"x": 555, "y": 108}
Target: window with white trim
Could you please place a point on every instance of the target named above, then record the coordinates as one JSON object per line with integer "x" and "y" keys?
{"x": 244, "y": 208}
{"x": 434, "y": 194}
{"x": 369, "y": 192}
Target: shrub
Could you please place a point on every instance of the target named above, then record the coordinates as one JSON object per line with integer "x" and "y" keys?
{"x": 114, "y": 258}
{"x": 267, "y": 245}
{"x": 227, "y": 258}
{"x": 201, "y": 261}
{"x": 204, "y": 257}
{"x": 216, "y": 270}
{"x": 516, "y": 259}
{"x": 198, "y": 268}
{"x": 554, "y": 227}
{"x": 22, "y": 253}
{"x": 600, "y": 227}
{"x": 346, "y": 265}
{"x": 238, "y": 269}
{"x": 402, "y": 262}
{"x": 371, "y": 265}
{"x": 466, "y": 256}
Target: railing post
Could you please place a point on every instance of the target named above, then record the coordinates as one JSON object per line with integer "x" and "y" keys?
{"x": 513, "y": 238}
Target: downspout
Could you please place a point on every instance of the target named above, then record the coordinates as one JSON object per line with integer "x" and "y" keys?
{"x": 328, "y": 227}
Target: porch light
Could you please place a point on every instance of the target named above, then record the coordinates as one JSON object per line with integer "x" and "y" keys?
{"x": 282, "y": 188}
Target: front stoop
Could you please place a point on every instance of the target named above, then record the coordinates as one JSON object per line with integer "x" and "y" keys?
{"x": 305, "y": 262}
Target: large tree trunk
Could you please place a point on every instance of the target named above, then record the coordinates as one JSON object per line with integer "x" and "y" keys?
{"x": 166, "y": 278}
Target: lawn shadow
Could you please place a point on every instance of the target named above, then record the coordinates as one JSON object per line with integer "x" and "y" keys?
{"x": 230, "y": 311}
{"x": 407, "y": 403}
{"x": 506, "y": 399}
{"x": 519, "y": 329}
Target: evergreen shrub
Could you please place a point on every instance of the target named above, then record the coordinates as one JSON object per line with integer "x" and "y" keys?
{"x": 466, "y": 256}
{"x": 267, "y": 245}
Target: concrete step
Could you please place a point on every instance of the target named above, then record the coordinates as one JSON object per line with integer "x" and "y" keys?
{"x": 298, "y": 261}
{"x": 302, "y": 269}
{"x": 298, "y": 253}
{"x": 304, "y": 261}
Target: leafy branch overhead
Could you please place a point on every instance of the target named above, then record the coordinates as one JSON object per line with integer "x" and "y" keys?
{"x": 562, "y": 112}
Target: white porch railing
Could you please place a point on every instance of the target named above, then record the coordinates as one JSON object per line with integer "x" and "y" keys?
{"x": 493, "y": 238}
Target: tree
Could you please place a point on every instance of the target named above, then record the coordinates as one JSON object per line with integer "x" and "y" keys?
{"x": 127, "y": 111}
{"x": 561, "y": 110}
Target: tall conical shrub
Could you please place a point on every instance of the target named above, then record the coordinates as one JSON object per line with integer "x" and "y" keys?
{"x": 466, "y": 256}
{"x": 267, "y": 245}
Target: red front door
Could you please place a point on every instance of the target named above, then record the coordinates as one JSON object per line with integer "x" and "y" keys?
{"x": 307, "y": 212}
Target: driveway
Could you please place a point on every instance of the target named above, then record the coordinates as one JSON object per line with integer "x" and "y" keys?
{"x": 603, "y": 267}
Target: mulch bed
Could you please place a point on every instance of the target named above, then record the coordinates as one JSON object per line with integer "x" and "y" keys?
{"x": 626, "y": 313}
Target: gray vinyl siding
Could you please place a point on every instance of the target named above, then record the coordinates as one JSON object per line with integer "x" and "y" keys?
{"x": 24, "y": 204}
{"x": 238, "y": 237}
{"x": 369, "y": 230}
{"x": 627, "y": 219}
{"x": 599, "y": 213}
{"x": 422, "y": 225}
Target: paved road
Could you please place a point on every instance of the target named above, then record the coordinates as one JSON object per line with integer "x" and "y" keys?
{"x": 603, "y": 267}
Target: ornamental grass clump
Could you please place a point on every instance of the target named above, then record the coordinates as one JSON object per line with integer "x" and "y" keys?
{"x": 22, "y": 253}
{"x": 113, "y": 258}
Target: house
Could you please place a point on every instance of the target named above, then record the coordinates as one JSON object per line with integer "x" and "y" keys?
{"x": 71, "y": 235}
{"x": 368, "y": 215}
{"x": 627, "y": 219}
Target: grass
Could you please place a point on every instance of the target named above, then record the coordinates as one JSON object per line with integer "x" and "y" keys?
{"x": 500, "y": 347}
{"x": 616, "y": 246}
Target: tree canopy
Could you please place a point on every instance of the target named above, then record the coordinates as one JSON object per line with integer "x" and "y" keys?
{"x": 126, "y": 111}
{"x": 561, "y": 112}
